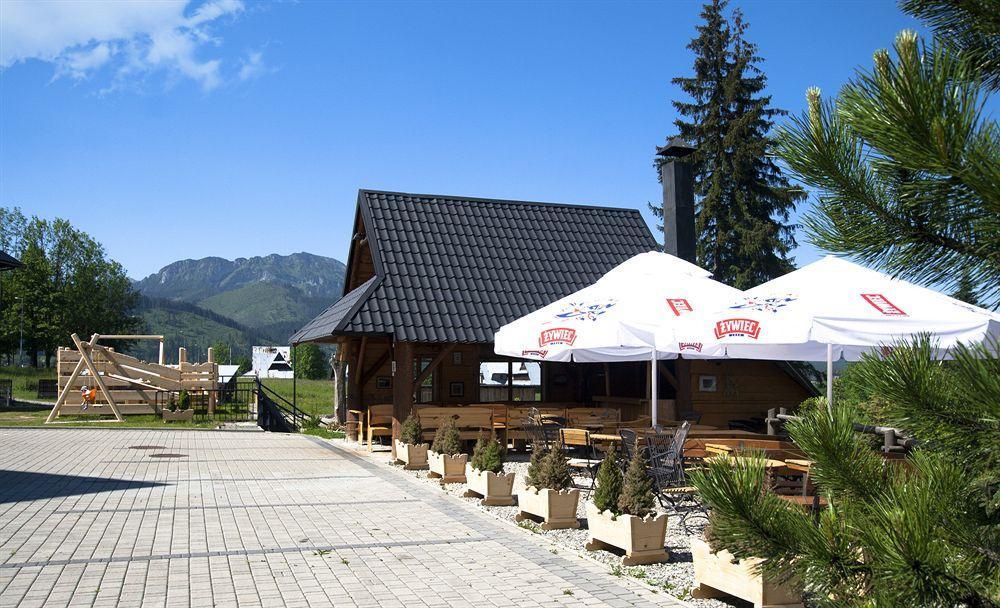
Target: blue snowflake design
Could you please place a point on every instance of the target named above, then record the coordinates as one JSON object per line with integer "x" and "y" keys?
{"x": 582, "y": 311}
{"x": 765, "y": 304}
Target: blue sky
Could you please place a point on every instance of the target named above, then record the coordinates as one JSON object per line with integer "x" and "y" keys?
{"x": 239, "y": 129}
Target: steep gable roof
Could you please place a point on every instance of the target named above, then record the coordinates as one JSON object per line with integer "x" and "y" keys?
{"x": 454, "y": 269}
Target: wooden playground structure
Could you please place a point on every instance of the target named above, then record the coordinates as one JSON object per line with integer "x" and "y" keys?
{"x": 119, "y": 384}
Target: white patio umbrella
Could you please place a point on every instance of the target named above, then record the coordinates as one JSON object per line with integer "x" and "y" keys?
{"x": 650, "y": 290}
{"x": 830, "y": 309}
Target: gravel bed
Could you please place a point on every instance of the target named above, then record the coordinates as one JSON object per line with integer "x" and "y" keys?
{"x": 675, "y": 577}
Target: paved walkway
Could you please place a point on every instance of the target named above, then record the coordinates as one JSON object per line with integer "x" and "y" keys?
{"x": 190, "y": 518}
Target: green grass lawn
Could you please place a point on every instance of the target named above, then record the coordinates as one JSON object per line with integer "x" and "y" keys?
{"x": 25, "y": 380}
{"x": 315, "y": 397}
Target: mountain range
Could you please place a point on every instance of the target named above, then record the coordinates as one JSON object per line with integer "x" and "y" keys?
{"x": 246, "y": 301}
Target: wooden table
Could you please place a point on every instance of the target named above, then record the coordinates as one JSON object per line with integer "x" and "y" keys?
{"x": 769, "y": 463}
{"x": 718, "y": 448}
{"x": 799, "y": 465}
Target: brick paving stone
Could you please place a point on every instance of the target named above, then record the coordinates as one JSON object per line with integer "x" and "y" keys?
{"x": 258, "y": 519}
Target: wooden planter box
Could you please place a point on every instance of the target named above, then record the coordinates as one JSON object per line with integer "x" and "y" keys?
{"x": 495, "y": 490}
{"x": 181, "y": 416}
{"x": 413, "y": 456}
{"x": 719, "y": 574}
{"x": 450, "y": 469}
{"x": 557, "y": 509}
{"x": 641, "y": 538}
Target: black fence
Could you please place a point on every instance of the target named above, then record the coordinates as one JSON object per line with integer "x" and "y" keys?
{"x": 277, "y": 413}
{"x": 233, "y": 403}
{"x": 6, "y": 393}
{"x": 48, "y": 389}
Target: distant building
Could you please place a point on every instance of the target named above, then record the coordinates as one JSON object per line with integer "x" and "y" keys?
{"x": 272, "y": 362}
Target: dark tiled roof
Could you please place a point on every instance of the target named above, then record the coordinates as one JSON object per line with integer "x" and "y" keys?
{"x": 8, "y": 262}
{"x": 454, "y": 269}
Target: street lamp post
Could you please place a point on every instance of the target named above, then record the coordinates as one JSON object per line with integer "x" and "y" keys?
{"x": 20, "y": 324}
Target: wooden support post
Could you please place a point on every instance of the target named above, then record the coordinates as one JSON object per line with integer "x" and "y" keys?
{"x": 402, "y": 387}
{"x": 161, "y": 360}
{"x": 212, "y": 394}
{"x": 182, "y": 355}
{"x": 65, "y": 392}
{"x": 607, "y": 379}
{"x": 85, "y": 351}
{"x": 354, "y": 386}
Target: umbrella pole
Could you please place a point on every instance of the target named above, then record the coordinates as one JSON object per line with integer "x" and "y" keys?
{"x": 829, "y": 377}
{"x": 654, "y": 401}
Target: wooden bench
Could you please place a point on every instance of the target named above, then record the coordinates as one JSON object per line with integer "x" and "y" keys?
{"x": 470, "y": 420}
{"x": 379, "y": 422}
{"x": 517, "y": 416}
{"x": 592, "y": 417}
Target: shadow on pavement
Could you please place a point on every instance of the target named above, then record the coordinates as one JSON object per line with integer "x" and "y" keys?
{"x": 17, "y": 486}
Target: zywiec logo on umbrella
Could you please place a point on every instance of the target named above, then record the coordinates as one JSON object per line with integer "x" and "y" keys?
{"x": 695, "y": 346}
{"x": 534, "y": 353}
{"x": 557, "y": 335}
{"x": 883, "y": 305}
{"x": 679, "y": 306}
{"x": 737, "y": 327}
{"x": 583, "y": 311}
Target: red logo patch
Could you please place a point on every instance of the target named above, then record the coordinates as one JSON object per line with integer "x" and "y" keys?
{"x": 883, "y": 305}
{"x": 679, "y": 305}
{"x": 737, "y": 327}
{"x": 534, "y": 353}
{"x": 696, "y": 346}
{"x": 557, "y": 335}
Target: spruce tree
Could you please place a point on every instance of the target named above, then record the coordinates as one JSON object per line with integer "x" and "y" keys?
{"x": 609, "y": 484}
{"x": 743, "y": 199}
{"x": 637, "y": 497}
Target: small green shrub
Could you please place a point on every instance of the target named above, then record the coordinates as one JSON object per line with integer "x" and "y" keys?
{"x": 411, "y": 430}
{"x": 183, "y": 401}
{"x": 447, "y": 440}
{"x": 554, "y": 471}
{"x": 488, "y": 455}
{"x": 637, "y": 496}
{"x": 609, "y": 484}
{"x": 535, "y": 467}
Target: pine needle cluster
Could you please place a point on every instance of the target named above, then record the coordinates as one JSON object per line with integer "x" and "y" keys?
{"x": 923, "y": 531}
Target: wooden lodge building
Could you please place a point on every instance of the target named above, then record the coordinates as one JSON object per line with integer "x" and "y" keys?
{"x": 431, "y": 278}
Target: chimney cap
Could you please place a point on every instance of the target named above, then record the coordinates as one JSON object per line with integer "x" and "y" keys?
{"x": 675, "y": 148}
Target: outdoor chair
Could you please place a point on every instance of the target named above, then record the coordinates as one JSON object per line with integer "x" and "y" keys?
{"x": 666, "y": 468}
{"x": 626, "y": 447}
{"x": 379, "y": 422}
{"x": 581, "y": 451}
{"x": 692, "y": 417}
{"x": 542, "y": 434}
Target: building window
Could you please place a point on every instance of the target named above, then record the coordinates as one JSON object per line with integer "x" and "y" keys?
{"x": 425, "y": 393}
{"x": 510, "y": 381}
{"x": 706, "y": 384}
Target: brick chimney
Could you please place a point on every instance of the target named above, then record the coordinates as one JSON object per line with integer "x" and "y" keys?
{"x": 677, "y": 177}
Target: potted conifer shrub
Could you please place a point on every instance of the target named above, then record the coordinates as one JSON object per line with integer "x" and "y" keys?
{"x": 409, "y": 449}
{"x": 718, "y": 573}
{"x": 485, "y": 474}
{"x": 622, "y": 513}
{"x": 549, "y": 495}
{"x": 445, "y": 459}
{"x": 181, "y": 411}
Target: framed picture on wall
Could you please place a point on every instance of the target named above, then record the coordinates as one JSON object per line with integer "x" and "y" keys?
{"x": 456, "y": 389}
{"x": 383, "y": 383}
{"x": 456, "y": 357}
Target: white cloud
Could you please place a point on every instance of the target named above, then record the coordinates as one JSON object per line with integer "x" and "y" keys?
{"x": 133, "y": 37}
{"x": 252, "y": 65}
